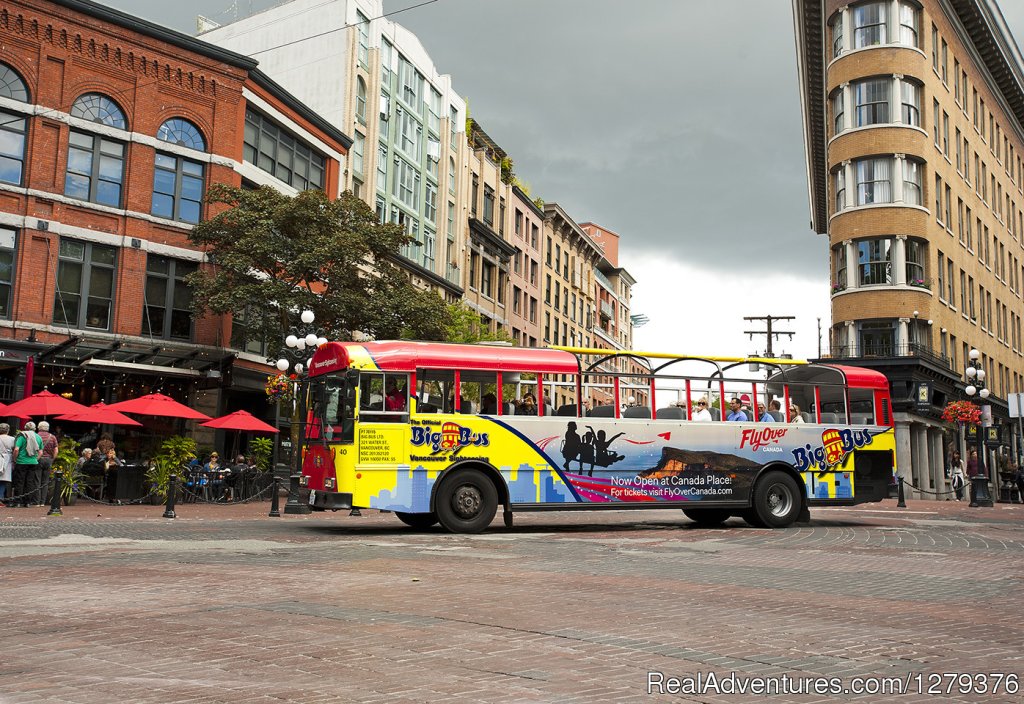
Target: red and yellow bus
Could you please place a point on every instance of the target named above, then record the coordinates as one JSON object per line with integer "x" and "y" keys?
{"x": 447, "y": 433}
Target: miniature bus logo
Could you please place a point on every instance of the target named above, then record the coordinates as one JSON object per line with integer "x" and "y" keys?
{"x": 452, "y": 436}
{"x": 835, "y": 446}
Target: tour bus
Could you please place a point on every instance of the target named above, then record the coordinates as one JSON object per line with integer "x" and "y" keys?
{"x": 447, "y": 433}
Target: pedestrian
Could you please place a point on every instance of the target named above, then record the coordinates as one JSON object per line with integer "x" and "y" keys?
{"x": 105, "y": 445}
{"x": 956, "y": 468}
{"x": 26, "y": 459}
{"x": 1018, "y": 477}
{"x": 6, "y": 460}
{"x": 47, "y": 454}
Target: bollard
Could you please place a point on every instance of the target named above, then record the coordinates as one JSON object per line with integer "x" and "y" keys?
{"x": 275, "y": 499}
{"x": 172, "y": 489}
{"x": 55, "y": 499}
{"x": 901, "y": 501}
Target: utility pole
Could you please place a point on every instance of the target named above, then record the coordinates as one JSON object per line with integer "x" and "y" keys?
{"x": 769, "y": 332}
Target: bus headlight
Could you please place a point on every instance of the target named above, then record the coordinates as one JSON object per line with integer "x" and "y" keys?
{"x": 330, "y": 483}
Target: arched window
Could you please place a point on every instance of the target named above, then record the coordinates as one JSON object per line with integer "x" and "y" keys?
{"x": 96, "y": 107}
{"x": 180, "y": 131}
{"x": 360, "y": 101}
{"x": 13, "y": 128}
{"x": 11, "y": 85}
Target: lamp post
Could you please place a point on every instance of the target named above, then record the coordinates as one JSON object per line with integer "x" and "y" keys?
{"x": 295, "y": 354}
{"x": 979, "y": 482}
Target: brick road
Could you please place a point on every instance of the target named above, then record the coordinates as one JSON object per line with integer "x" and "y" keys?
{"x": 116, "y": 604}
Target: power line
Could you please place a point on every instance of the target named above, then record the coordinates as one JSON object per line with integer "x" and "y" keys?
{"x": 768, "y": 332}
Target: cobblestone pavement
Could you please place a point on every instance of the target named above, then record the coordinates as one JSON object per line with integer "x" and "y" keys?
{"x": 116, "y": 604}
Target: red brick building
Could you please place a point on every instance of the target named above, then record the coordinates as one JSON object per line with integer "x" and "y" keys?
{"x": 111, "y": 129}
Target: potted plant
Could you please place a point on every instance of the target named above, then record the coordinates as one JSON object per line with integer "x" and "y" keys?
{"x": 66, "y": 462}
{"x": 961, "y": 412}
{"x": 261, "y": 449}
{"x": 170, "y": 460}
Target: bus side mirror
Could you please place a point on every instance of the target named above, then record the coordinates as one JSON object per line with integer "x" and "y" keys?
{"x": 352, "y": 377}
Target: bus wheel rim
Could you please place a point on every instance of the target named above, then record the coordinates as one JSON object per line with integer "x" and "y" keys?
{"x": 467, "y": 501}
{"x": 780, "y": 502}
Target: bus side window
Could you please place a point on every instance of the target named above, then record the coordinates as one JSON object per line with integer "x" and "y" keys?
{"x": 862, "y": 407}
{"x": 371, "y": 392}
{"x": 434, "y": 391}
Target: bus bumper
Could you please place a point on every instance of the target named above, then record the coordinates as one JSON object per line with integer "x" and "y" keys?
{"x": 327, "y": 500}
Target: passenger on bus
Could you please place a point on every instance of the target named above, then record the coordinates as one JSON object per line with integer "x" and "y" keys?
{"x": 701, "y": 412}
{"x": 736, "y": 411}
{"x": 395, "y": 399}
{"x": 489, "y": 404}
{"x": 527, "y": 406}
{"x": 794, "y": 414}
{"x": 763, "y": 416}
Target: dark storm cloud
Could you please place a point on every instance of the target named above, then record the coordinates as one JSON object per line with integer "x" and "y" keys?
{"x": 675, "y": 123}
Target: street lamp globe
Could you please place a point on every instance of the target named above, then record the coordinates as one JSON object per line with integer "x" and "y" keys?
{"x": 984, "y": 393}
{"x": 971, "y": 372}
{"x": 974, "y": 354}
{"x": 307, "y": 317}
{"x": 970, "y": 390}
{"x": 981, "y": 375}
{"x": 321, "y": 341}
{"x": 300, "y": 344}
{"x": 291, "y": 340}
{"x": 298, "y": 368}
{"x": 282, "y": 365}
{"x": 311, "y": 340}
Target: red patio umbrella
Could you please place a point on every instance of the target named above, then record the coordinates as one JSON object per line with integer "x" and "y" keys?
{"x": 44, "y": 403}
{"x": 240, "y": 420}
{"x": 100, "y": 413}
{"x": 157, "y": 405}
{"x": 4, "y": 413}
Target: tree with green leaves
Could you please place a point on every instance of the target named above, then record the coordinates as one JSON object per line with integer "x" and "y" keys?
{"x": 276, "y": 255}
{"x": 465, "y": 325}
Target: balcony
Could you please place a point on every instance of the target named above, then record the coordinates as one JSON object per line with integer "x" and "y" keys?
{"x": 889, "y": 351}
{"x": 606, "y": 310}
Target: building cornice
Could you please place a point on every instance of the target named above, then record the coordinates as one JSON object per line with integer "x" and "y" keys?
{"x": 490, "y": 237}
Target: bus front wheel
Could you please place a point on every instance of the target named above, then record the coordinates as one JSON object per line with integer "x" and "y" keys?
{"x": 707, "y": 516}
{"x": 777, "y": 501}
{"x": 417, "y": 520}
{"x": 466, "y": 502}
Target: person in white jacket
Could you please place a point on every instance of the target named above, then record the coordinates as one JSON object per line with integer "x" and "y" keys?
{"x": 701, "y": 412}
{"x": 6, "y": 459}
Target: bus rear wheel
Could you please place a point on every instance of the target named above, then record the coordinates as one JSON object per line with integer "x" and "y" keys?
{"x": 466, "y": 502}
{"x": 417, "y": 520}
{"x": 777, "y": 500}
{"x": 707, "y": 516}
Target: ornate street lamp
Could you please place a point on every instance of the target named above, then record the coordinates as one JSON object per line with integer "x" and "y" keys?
{"x": 976, "y": 385}
{"x": 296, "y": 354}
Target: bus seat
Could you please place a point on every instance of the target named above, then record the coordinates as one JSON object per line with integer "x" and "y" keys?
{"x": 425, "y": 407}
{"x": 508, "y": 409}
{"x": 548, "y": 410}
{"x": 636, "y": 412}
{"x": 808, "y": 418}
{"x": 568, "y": 409}
{"x": 861, "y": 419}
{"x": 602, "y": 412}
{"x": 829, "y": 417}
{"x": 466, "y": 407}
{"x": 777, "y": 415}
{"x": 670, "y": 413}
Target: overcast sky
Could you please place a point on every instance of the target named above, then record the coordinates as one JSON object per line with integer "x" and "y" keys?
{"x": 676, "y": 124}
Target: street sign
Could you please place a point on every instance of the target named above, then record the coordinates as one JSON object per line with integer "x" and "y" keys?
{"x": 992, "y": 436}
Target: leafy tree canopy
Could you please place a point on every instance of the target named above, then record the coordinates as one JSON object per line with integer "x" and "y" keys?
{"x": 278, "y": 255}
{"x": 464, "y": 325}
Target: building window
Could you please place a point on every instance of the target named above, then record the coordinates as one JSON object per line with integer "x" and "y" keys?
{"x": 487, "y": 279}
{"x": 910, "y": 25}
{"x": 96, "y": 107}
{"x": 840, "y": 189}
{"x": 837, "y": 35}
{"x": 912, "y": 182}
{"x": 277, "y": 152}
{"x": 405, "y": 183}
{"x": 95, "y": 169}
{"x": 410, "y": 133}
{"x": 874, "y": 259}
{"x": 358, "y": 147}
{"x": 13, "y": 128}
{"x": 837, "y": 111}
{"x": 85, "y": 274}
{"x": 183, "y": 133}
{"x": 242, "y": 338}
{"x": 430, "y": 203}
{"x": 364, "y": 39}
{"x": 177, "y": 188}
{"x": 874, "y": 181}
{"x": 869, "y": 24}
{"x": 915, "y": 250}
{"x": 361, "y": 100}
{"x": 872, "y": 101}
{"x": 382, "y": 168}
{"x": 451, "y": 175}
{"x": 168, "y": 305}
{"x": 488, "y": 205}
{"x": 877, "y": 339}
{"x": 8, "y": 239}
{"x": 839, "y": 257}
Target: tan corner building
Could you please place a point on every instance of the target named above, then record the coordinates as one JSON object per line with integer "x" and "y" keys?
{"x": 913, "y": 117}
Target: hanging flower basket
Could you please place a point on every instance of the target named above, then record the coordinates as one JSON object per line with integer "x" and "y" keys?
{"x": 279, "y": 387}
{"x": 961, "y": 412}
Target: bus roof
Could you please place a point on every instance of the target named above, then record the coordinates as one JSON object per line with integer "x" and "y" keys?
{"x": 407, "y": 355}
{"x": 861, "y": 378}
